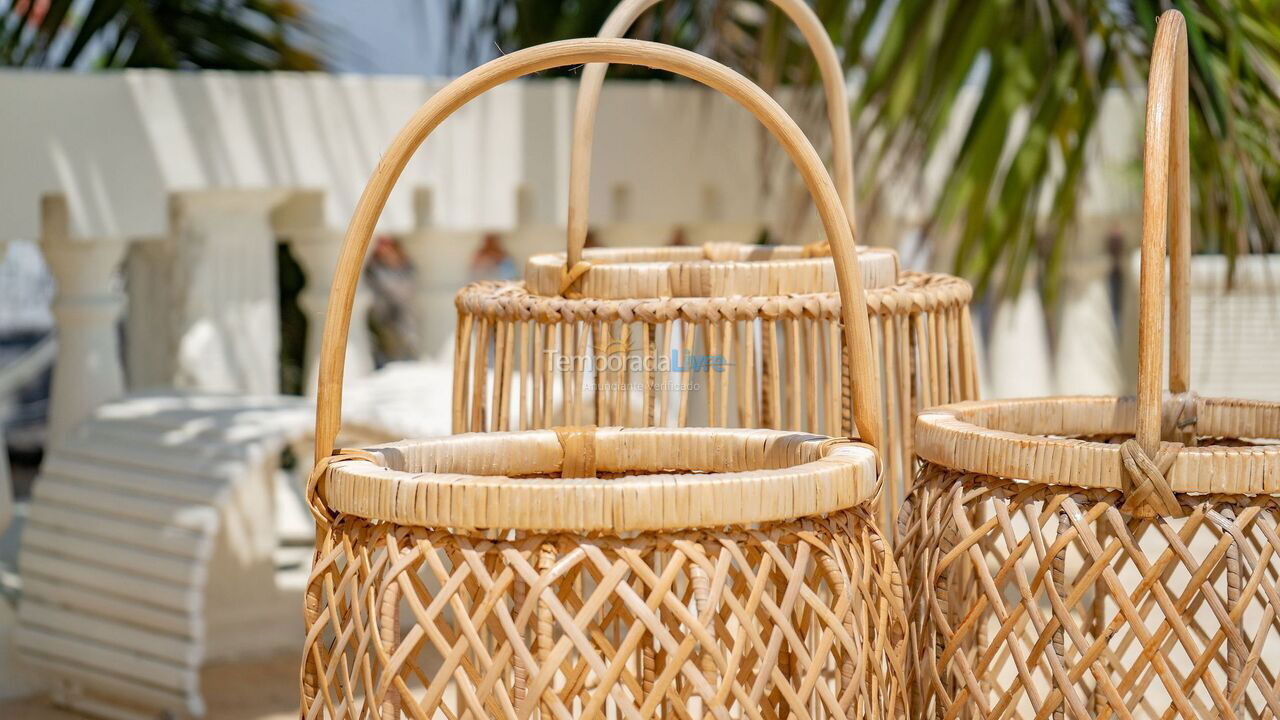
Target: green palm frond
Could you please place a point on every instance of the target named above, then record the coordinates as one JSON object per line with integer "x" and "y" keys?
{"x": 752, "y": 36}
{"x": 1051, "y": 63}
{"x": 1037, "y": 71}
{"x": 214, "y": 34}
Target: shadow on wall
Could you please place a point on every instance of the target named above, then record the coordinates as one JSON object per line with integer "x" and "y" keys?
{"x": 116, "y": 144}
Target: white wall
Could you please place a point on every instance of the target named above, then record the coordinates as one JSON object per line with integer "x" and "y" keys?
{"x": 116, "y": 144}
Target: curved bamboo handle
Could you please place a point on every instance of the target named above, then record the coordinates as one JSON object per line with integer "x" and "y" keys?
{"x": 864, "y": 381}
{"x": 1166, "y": 218}
{"x": 584, "y": 115}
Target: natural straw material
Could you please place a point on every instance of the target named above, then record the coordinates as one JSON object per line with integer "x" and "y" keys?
{"x": 862, "y": 365}
{"x": 711, "y": 270}
{"x": 703, "y": 572}
{"x": 655, "y": 479}
{"x": 723, "y": 335}
{"x": 584, "y": 117}
{"x": 583, "y": 572}
{"x": 1103, "y": 557}
{"x": 524, "y": 360}
{"x": 527, "y": 361}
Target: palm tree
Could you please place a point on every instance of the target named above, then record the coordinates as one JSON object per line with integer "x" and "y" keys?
{"x": 1011, "y": 196}
{"x": 215, "y": 34}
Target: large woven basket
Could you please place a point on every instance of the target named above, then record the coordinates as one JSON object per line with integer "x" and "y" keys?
{"x": 582, "y": 572}
{"x": 723, "y": 335}
{"x": 1099, "y": 557}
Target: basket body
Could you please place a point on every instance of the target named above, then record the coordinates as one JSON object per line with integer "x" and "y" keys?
{"x": 665, "y": 625}
{"x": 587, "y": 572}
{"x": 1040, "y": 598}
{"x": 789, "y": 617}
{"x": 524, "y": 360}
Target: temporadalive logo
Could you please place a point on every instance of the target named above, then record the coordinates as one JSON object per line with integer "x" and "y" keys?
{"x": 616, "y": 358}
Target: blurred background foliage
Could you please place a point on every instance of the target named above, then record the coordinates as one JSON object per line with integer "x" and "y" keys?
{"x": 211, "y": 34}
{"x": 1040, "y": 69}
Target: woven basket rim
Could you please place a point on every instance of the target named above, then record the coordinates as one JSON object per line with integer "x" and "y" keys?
{"x": 511, "y": 300}
{"x": 763, "y": 476}
{"x": 1028, "y": 439}
{"x": 711, "y": 270}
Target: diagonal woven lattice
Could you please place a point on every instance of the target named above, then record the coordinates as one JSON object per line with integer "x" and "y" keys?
{"x": 793, "y": 620}
{"x": 1033, "y": 600}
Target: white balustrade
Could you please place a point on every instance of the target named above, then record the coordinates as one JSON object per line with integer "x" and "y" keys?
{"x": 204, "y": 299}
{"x": 86, "y": 308}
{"x": 1235, "y": 326}
{"x": 316, "y": 247}
{"x": 225, "y": 290}
{"x": 441, "y": 260}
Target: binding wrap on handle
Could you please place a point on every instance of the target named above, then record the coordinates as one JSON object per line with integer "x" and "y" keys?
{"x": 1166, "y": 222}
{"x": 584, "y": 123}
{"x": 863, "y": 379}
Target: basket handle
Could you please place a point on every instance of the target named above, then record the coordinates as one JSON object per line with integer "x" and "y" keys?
{"x": 1166, "y": 220}
{"x": 864, "y": 382}
{"x": 584, "y": 116}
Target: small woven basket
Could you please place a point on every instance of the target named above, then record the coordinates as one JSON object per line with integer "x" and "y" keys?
{"x": 583, "y": 572}
{"x": 723, "y": 335}
{"x": 1099, "y": 557}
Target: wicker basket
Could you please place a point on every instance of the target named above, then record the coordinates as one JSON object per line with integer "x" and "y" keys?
{"x": 592, "y": 336}
{"x": 584, "y": 572}
{"x": 1102, "y": 557}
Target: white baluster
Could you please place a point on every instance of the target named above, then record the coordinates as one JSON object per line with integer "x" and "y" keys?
{"x": 442, "y": 264}
{"x": 316, "y": 247}
{"x": 86, "y": 307}
{"x": 225, "y": 289}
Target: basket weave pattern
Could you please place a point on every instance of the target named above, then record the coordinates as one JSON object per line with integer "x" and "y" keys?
{"x": 1104, "y": 557}
{"x": 662, "y": 625}
{"x": 1042, "y": 600}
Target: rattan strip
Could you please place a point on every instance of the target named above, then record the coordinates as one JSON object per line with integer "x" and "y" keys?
{"x": 1103, "y": 415}
{"x": 715, "y": 271}
{"x": 1036, "y": 600}
{"x": 616, "y": 24}
{"x": 711, "y": 251}
{"x": 914, "y": 293}
{"x": 1022, "y": 443}
{"x": 795, "y": 619}
{"x": 616, "y": 449}
{"x": 742, "y": 477}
